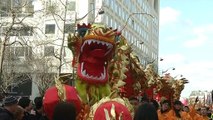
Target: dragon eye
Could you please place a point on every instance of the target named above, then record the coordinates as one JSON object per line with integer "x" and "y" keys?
{"x": 82, "y": 32}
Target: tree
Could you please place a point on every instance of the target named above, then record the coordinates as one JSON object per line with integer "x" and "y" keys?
{"x": 8, "y": 55}
{"x": 14, "y": 48}
{"x": 44, "y": 74}
{"x": 22, "y": 31}
{"x": 61, "y": 16}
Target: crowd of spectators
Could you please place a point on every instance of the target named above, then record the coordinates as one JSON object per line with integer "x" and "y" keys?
{"x": 144, "y": 109}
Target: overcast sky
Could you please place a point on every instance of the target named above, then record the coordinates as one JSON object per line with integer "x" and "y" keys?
{"x": 186, "y": 33}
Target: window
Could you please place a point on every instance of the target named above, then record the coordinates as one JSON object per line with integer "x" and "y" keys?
{"x": 19, "y": 51}
{"x": 9, "y": 53}
{"x": 71, "y": 6}
{"x": 26, "y": 31}
{"x": 107, "y": 2}
{"x": 69, "y": 28}
{"x": 111, "y": 23}
{"x": 119, "y": 12}
{"x": 18, "y": 31}
{"x": 107, "y": 20}
{"x": 28, "y": 51}
{"x": 24, "y": 86}
{"x": 49, "y": 51}
{"x": 115, "y": 25}
{"x": 51, "y": 7}
{"x": 92, "y": 8}
{"x": 112, "y": 4}
{"x": 116, "y": 8}
{"x": 50, "y": 29}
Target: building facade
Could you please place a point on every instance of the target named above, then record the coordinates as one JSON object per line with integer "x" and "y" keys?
{"x": 44, "y": 25}
{"x": 137, "y": 19}
{"x": 36, "y": 33}
{"x": 205, "y": 98}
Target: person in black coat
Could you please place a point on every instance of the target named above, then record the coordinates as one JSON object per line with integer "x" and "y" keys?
{"x": 146, "y": 111}
{"x": 26, "y": 103}
{"x": 64, "y": 111}
{"x": 39, "y": 111}
{"x": 9, "y": 108}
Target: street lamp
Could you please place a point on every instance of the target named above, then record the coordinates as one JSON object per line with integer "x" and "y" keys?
{"x": 100, "y": 11}
{"x": 164, "y": 71}
{"x": 130, "y": 15}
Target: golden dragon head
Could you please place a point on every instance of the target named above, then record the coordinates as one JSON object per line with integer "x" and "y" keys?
{"x": 93, "y": 48}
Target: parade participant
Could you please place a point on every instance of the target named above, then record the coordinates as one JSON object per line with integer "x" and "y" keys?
{"x": 203, "y": 112}
{"x": 9, "y": 107}
{"x": 186, "y": 109}
{"x": 155, "y": 103}
{"x": 144, "y": 99}
{"x": 27, "y": 105}
{"x": 194, "y": 113}
{"x": 199, "y": 111}
{"x": 146, "y": 111}
{"x": 209, "y": 112}
{"x": 177, "y": 113}
{"x": 39, "y": 111}
{"x": 64, "y": 111}
{"x": 19, "y": 114}
{"x": 165, "y": 107}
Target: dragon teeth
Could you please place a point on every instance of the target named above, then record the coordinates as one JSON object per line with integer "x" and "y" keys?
{"x": 109, "y": 46}
{"x": 85, "y": 74}
{"x": 102, "y": 43}
{"x": 89, "y": 42}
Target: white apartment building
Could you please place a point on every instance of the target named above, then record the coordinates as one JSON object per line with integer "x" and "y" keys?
{"x": 37, "y": 29}
{"x": 141, "y": 30}
{"x": 45, "y": 21}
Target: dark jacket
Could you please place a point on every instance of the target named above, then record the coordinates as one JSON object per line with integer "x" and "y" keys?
{"x": 28, "y": 116}
{"x": 40, "y": 116}
{"x": 5, "y": 114}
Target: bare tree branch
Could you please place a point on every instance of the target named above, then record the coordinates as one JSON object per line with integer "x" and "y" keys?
{"x": 43, "y": 67}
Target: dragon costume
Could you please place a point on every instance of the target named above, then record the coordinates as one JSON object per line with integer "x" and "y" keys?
{"x": 93, "y": 48}
{"x": 171, "y": 88}
{"x": 107, "y": 73}
{"x": 126, "y": 71}
{"x": 101, "y": 68}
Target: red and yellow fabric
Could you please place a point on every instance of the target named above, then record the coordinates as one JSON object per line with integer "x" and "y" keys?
{"x": 51, "y": 98}
{"x": 111, "y": 109}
